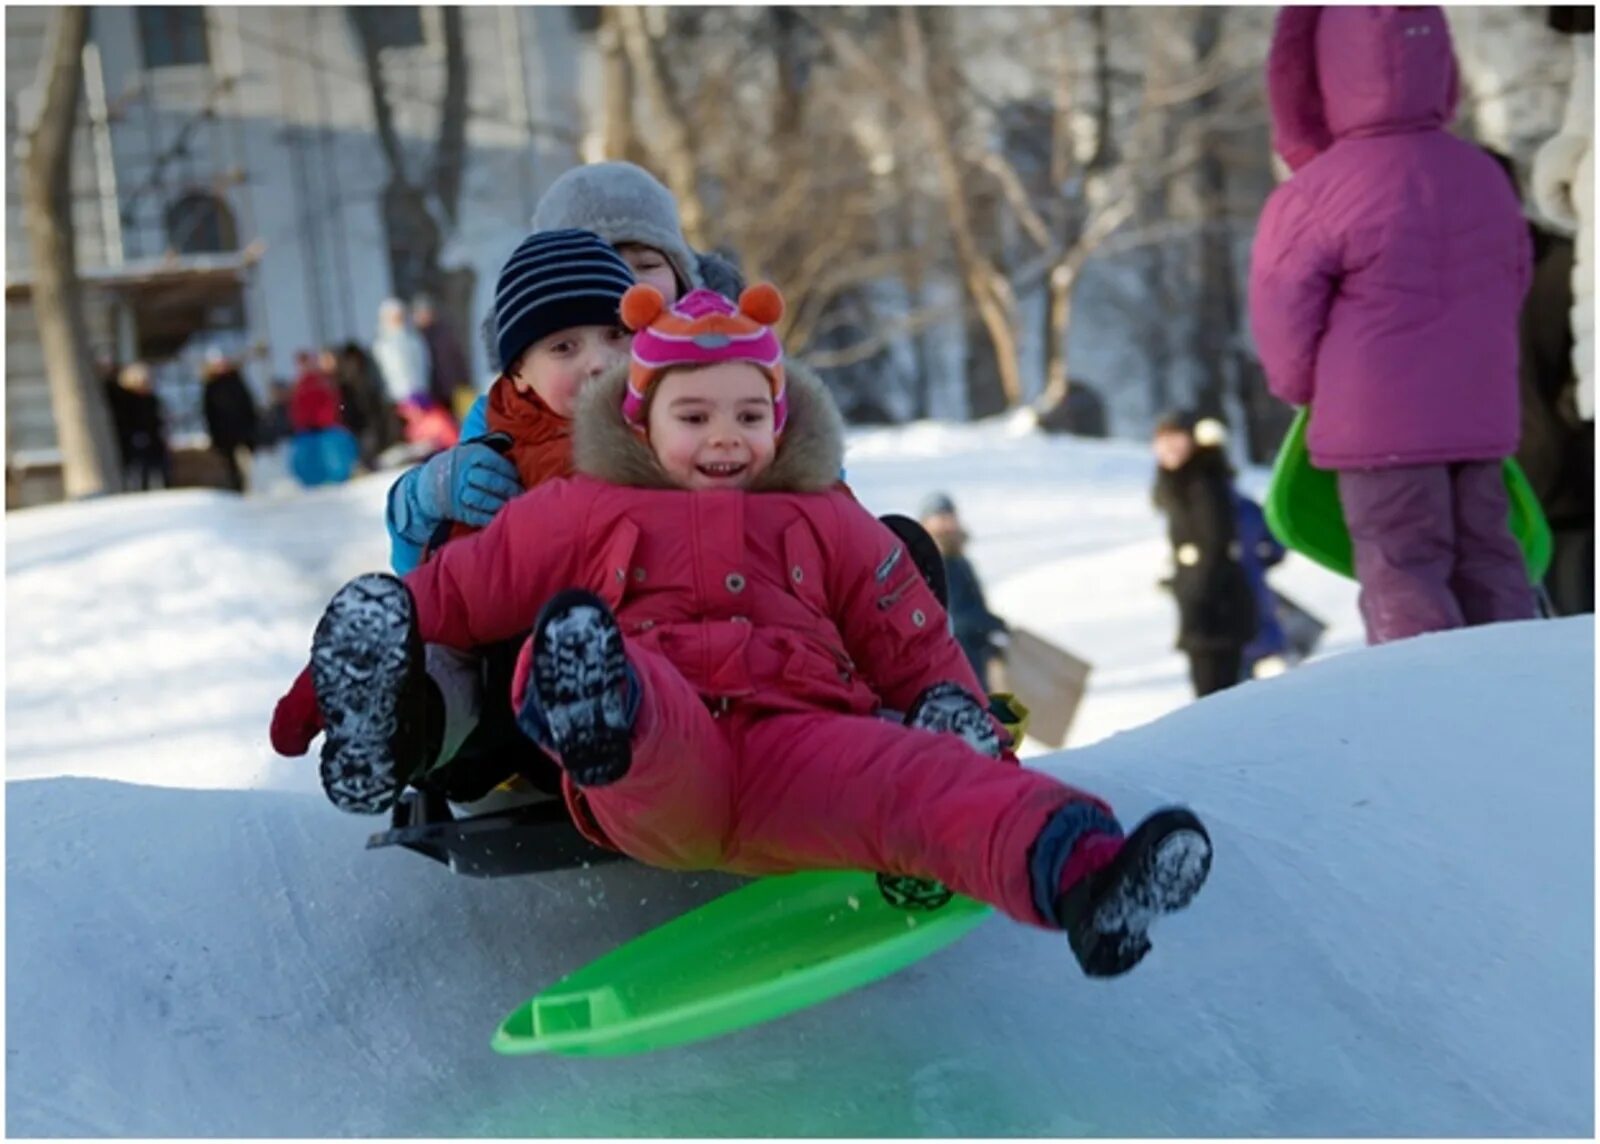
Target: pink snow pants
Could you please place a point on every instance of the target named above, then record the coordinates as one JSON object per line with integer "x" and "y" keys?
{"x": 1433, "y": 548}
{"x": 776, "y": 793}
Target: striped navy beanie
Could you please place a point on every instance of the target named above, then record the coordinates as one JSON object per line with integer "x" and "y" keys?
{"x": 555, "y": 281}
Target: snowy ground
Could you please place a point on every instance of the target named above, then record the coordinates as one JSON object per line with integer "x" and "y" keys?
{"x": 1397, "y": 938}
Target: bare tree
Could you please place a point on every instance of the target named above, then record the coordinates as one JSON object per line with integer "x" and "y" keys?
{"x": 419, "y": 214}
{"x": 675, "y": 141}
{"x": 83, "y": 423}
{"x": 617, "y": 137}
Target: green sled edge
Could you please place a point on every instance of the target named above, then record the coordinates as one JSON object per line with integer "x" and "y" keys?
{"x": 762, "y": 951}
{"x": 1303, "y": 510}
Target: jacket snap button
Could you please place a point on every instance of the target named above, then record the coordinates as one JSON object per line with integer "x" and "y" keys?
{"x": 918, "y": 618}
{"x": 638, "y": 575}
{"x": 798, "y": 573}
{"x": 646, "y": 625}
{"x": 734, "y": 582}
{"x": 621, "y": 575}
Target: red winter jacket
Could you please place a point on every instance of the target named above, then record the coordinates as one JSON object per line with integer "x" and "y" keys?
{"x": 787, "y": 597}
{"x": 313, "y": 403}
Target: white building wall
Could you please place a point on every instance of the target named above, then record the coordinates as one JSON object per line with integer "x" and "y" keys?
{"x": 297, "y": 123}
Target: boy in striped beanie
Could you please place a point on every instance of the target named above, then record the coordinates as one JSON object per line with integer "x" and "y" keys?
{"x": 556, "y": 326}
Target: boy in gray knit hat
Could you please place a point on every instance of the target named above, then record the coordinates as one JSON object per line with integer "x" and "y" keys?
{"x": 632, "y": 210}
{"x": 629, "y": 208}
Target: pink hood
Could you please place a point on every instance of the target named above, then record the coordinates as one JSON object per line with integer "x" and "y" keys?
{"x": 1396, "y": 72}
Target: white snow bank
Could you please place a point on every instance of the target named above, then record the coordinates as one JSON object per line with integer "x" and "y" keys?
{"x": 1397, "y": 940}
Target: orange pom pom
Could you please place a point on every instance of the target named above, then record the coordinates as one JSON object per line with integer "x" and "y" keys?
{"x": 761, "y": 303}
{"x": 641, "y": 305}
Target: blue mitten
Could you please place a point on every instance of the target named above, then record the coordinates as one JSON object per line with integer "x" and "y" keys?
{"x": 469, "y": 483}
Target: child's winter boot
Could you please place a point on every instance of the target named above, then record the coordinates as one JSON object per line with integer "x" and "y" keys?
{"x": 1156, "y": 870}
{"x": 582, "y": 695}
{"x": 383, "y": 717}
{"x": 942, "y": 708}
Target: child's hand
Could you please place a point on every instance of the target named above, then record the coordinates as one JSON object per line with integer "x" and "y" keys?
{"x": 469, "y": 483}
{"x": 296, "y": 720}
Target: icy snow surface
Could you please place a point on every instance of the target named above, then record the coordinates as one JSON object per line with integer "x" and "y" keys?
{"x": 1397, "y": 938}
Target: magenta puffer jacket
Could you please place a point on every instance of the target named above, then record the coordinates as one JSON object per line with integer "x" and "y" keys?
{"x": 1388, "y": 272}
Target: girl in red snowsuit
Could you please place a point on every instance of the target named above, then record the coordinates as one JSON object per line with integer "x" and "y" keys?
{"x": 719, "y": 625}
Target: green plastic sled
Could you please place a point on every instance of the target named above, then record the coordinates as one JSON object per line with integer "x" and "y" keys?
{"x": 762, "y": 951}
{"x": 1304, "y": 512}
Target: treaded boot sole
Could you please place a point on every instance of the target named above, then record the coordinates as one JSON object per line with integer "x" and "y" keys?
{"x": 366, "y": 660}
{"x": 944, "y": 708}
{"x": 1159, "y": 870}
{"x": 580, "y": 675}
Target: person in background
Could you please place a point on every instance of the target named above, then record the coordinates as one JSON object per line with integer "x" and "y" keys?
{"x": 429, "y": 426}
{"x": 276, "y": 427}
{"x": 1557, "y": 447}
{"x": 322, "y": 450}
{"x": 118, "y": 404}
{"x": 1386, "y": 280}
{"x": 361, "y": 387}
{"x": 448, "y": 368}
{"x": 981, "y": 633}
{"x": 146, "y": 459}
{"x": 1216, "y": 608}
{"x": 231, "y": 419}
{"x": 401, "y": 354}
{"x": 1268, "y": 653}
{"x": 1563, "y": 191}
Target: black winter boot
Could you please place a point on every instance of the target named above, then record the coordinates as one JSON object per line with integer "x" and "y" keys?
{"x": 578, "y": 699}
{"x": 944, "y": 708}
{"x": 383, "y": 715}
{"x": 1159, "y": 869}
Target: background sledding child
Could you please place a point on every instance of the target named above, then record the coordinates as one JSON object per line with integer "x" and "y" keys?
{"x": 322, "y": 451}
{"x": 718, "y": 624}
{"x": 1385, "y": 286}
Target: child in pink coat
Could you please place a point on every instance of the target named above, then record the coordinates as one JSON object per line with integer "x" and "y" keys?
{"x": 1386, "y": 282}
{"x": 718, "y": 626}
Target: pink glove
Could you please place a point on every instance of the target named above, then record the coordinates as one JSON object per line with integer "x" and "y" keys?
{"x": 296, "y": 720}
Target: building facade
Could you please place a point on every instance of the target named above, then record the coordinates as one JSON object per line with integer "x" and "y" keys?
{"x": 232, "y": 187}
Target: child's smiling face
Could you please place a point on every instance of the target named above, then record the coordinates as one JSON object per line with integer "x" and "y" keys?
{"x": 712, "y": 427}
{"x": 558, "y": 365}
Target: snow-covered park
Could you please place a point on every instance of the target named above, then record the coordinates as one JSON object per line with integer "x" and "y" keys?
{"x": 1397, "y": 938}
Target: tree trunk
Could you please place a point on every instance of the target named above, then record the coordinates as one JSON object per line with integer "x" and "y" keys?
{"x": 415, "y": 235}
{"x": 1217, "y": 302}
{"x": 986, "y": 284}
{"x": 617, "y": 140}
{"x": 82, "y": 420}
{"x": 674, "y": 140}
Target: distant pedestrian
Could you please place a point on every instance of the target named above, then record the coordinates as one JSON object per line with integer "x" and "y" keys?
{"x": 981, "y": 633}
{"x": 231, "y": 419}
{"x": 1216, "y": 608}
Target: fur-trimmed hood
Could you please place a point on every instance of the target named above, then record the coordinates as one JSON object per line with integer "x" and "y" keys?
{"x": 810, "y": 453}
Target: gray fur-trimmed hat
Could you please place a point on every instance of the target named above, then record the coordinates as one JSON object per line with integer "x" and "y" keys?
{"x": 621, "y": 202}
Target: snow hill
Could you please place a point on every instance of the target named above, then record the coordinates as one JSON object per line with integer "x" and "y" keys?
{"x": 1398, "y": 937}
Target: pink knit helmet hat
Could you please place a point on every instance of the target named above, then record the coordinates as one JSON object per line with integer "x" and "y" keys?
{"x": 702, "y": 328}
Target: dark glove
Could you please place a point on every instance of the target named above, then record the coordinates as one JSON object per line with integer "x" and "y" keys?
{"x": 296, "y": 720}
{"x": 469, "y": 483}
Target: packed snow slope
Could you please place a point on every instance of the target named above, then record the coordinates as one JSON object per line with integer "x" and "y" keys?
{"x": 1397, "y": 938}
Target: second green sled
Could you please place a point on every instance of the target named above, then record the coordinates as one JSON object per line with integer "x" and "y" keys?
{"x": 1303, "y": 509}
{"x": 762, "y": 951}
